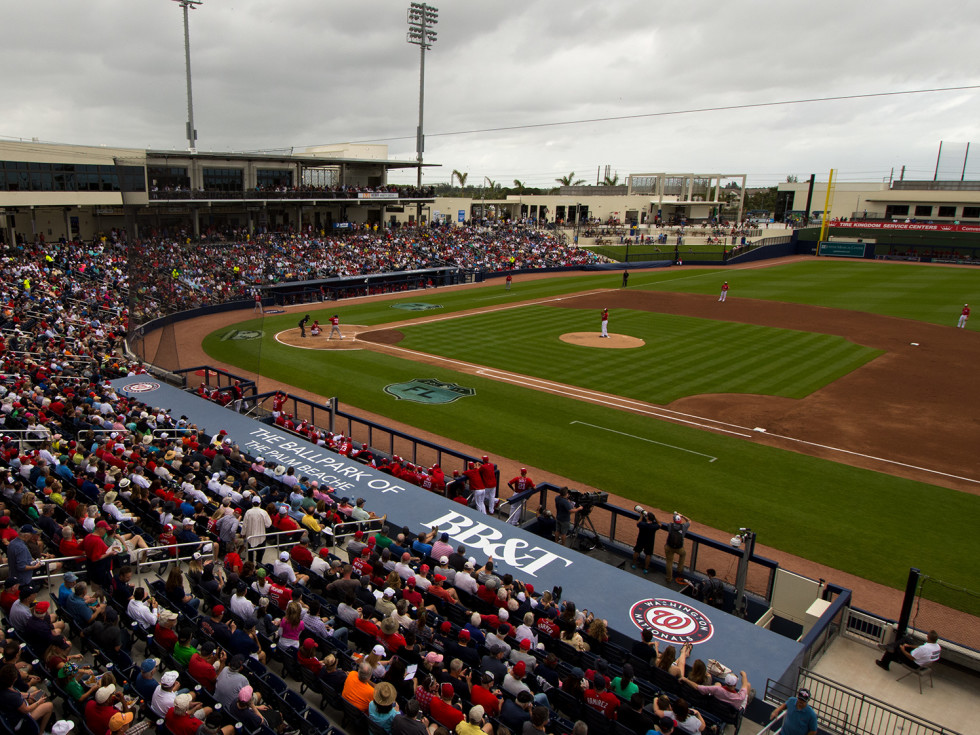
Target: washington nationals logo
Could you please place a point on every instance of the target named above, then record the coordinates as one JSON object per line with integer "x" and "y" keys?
{"x": 671, "y": 621}
{"x": 146, "y": 387}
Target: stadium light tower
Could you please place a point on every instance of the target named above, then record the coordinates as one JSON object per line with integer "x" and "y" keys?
{"x": 421, "y": 18}
{"x": 191, "y": 132}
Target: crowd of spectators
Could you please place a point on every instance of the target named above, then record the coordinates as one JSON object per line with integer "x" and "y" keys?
{"x": 256, "y": 566}
{"x": 177, "y": 272}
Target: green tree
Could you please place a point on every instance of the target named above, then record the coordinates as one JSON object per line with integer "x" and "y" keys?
{"x": 570, "y": 180}
{"x": 459, "y": 176}
{"x": 519, "y": 185}
{"x": 611, "y": 180}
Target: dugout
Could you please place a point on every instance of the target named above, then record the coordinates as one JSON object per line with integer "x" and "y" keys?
{"x": 346, "y": 287}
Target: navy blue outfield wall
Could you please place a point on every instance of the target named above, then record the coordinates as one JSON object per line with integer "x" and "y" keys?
{"x": 625, "y": 600}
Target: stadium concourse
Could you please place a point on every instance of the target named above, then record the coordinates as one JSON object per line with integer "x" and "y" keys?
{"x": 104, "y": 491}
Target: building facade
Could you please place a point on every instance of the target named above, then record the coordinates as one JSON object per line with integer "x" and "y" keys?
{"x": 61, "y": 191}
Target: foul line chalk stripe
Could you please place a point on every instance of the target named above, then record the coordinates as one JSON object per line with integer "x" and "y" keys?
{"x": 644, "y": 439}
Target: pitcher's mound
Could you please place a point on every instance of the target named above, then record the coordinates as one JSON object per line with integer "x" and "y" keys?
{"x": 349, "y": 342}
{"x": 595, "y": 339}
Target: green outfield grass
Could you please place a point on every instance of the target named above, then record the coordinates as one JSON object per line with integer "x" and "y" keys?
{"x": 847, "y": 518}
{"x": 682, "y": 356}
{"x": 924, "y": 293}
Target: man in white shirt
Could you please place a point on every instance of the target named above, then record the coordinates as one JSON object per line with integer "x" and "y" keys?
{"x": 143, "y": 611}
{"x": 916, "y": 658}
{"x": 255, "y": 524}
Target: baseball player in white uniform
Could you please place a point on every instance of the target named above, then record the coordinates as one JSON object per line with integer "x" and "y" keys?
{"x": 605, "y": 322}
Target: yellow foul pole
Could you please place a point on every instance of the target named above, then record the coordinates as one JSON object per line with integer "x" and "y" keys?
{"x": 824, "y": 225}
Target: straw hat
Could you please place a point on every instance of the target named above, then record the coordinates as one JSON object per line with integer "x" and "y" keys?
{"x": 384, "y": 694}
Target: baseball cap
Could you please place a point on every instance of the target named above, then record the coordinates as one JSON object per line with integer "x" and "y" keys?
{"x": 103, "y": 694}
{"x": 148, "y": 665}
{"x": 169, "y": 678}
{"x": 677, "y": 518}
{"x": 245, "y": 694}
{"x": 100, "y": 524}
{"x": 309, "y": 643}
{"x": 666, "y": 724}
{"x": 433, "y": 658}
{"x": 520, "y": 668}
{"x": 599, "y": 681}
{"x": 526, "y": 644}
{"x": 28, "y": 528}
{"x": 447, "y": 690}
{"x": 120, "y": 721}
{"x": 43, "y": 606}
{"x": 182, "y": 702}
{"x": 731, "y": 680}
{"x": 803, "y": 694}
{"x": 62, "y": 727}
{"x": 378, "y": 650}
{"x": 443, "y": 560}
{"x": 464, "y": 635}
{"x": 284, "y": 556}
{"x": 70, "y": 578}
{"x": 218, "y": 609}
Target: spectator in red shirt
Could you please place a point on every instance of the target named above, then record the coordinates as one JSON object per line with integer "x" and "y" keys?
{"x": 100, "y": 708}
{"x": 442, "y": 710}
{"x": 306, "y": 656}
{"x": 392, "y": 639}
{"x": 98, "y": 555}
{"x": 439, "y": 590}
{"x": 201, "y": 665}
{"x": 163, "y": 632}
{"x": 598, "y": 697}
{"x": 301, "y": 553}
{"x": 69, "y": 545}
{"x": 7, "y": 534}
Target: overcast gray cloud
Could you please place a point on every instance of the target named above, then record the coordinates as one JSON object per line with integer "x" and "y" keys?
{"x": 275, "y": 74}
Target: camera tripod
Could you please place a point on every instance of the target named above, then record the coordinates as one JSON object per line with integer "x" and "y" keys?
{"x": 584, "y": 543}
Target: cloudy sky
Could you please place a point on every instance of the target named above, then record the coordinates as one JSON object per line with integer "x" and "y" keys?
{"x": 280, "y": 73}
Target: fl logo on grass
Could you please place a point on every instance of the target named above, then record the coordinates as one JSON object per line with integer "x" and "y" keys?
{"x": 428, "y": 390}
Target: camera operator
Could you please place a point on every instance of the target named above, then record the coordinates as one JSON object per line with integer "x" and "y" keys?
{"x": 563, "y": 514}
{"x": 646, "y": 532}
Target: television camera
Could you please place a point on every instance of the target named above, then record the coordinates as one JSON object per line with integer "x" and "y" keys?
{"x": 587, "y": 501}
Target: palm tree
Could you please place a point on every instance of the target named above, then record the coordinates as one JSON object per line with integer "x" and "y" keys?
{"x": 570, "y": 180}
{"x": 611, "y": 180}
{"x": 460, "y": 176}
{"x": 519, "y": 185}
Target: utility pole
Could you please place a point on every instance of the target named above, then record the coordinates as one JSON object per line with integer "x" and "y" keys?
{"x": 421, "y": 18}
{"x": 191, "y": 131}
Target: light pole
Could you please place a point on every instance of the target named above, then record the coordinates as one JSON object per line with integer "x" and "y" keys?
{"x": 421, "y": 18}
{"x": 191, "y": 132}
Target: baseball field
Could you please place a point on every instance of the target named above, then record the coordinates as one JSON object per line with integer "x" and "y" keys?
{"x": 864, "y": 390}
